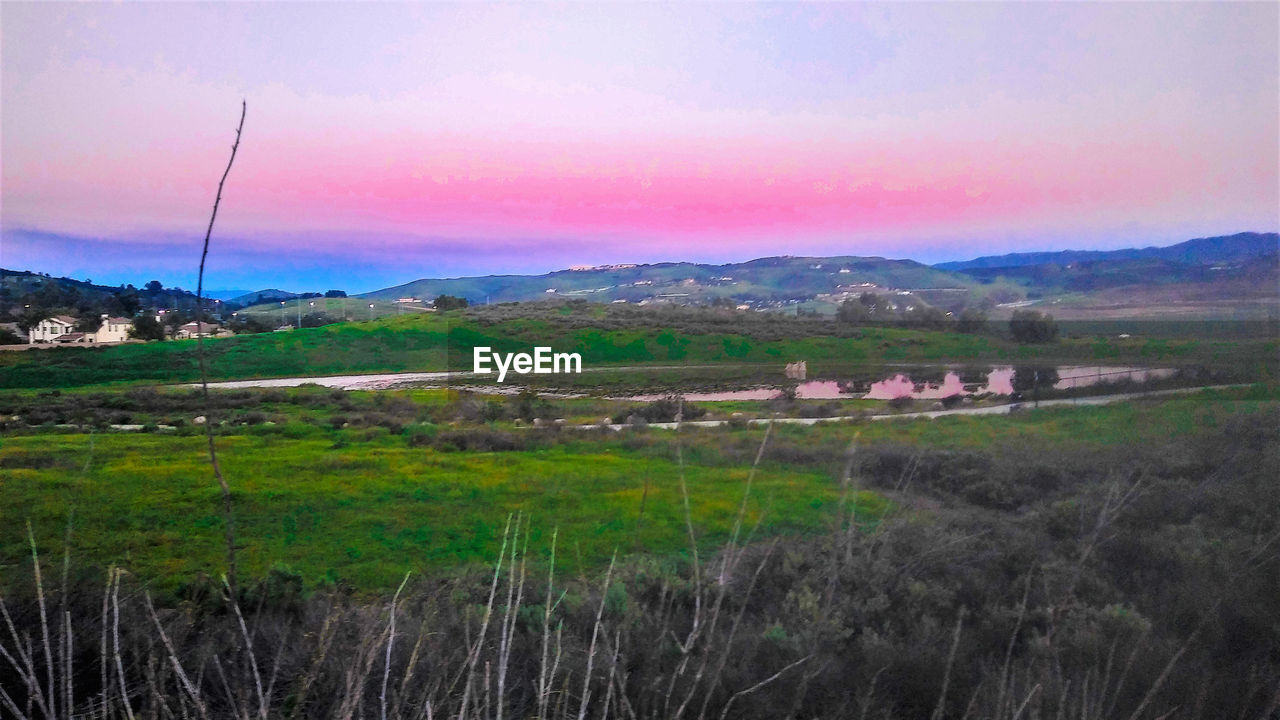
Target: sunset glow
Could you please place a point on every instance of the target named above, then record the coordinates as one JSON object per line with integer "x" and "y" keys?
{"x": 385, "y": 142}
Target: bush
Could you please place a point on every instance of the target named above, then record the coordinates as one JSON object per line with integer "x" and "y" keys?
{"x": 902, "y": 402}
{"x": 1030, "y": 326}
{"x": 479, "y": 440}
{"x": 972, "y": 321}
{"x": 663, "y": 409}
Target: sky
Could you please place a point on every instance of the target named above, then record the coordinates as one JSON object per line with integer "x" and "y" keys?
{"x": 388, "y": 142}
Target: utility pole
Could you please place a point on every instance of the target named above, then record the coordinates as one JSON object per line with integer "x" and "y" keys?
{"x": 281, "y": 313}
{"x": 370, "y": 311}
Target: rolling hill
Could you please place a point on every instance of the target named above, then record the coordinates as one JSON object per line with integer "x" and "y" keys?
{"x": 1224, "y": 248}
{"x": 773, "y": 279}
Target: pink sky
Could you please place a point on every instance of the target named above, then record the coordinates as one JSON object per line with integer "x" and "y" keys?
{"x": 426, "y": 140}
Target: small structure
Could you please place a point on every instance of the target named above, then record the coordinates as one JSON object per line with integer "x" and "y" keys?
{"x": 49, "y": 329}
{"x": 194, "y": 329}
{"x": 113, "y": 330}
{"x": 797, "y": 370}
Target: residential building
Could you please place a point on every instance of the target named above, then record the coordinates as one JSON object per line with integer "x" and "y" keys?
{"x": 193, "y": 329}
{"x": 49, "y": 329}
{"x": 113, "y": 330}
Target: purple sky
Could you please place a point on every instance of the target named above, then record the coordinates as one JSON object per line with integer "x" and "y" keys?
{"x": 389, "y": 142}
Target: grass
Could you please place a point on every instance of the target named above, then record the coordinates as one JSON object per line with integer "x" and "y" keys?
{"x": 363, "y": 513}
{"x": 353, "y": 308}
{"x": 360, "y": 506}
{"x": 438, "y": 341}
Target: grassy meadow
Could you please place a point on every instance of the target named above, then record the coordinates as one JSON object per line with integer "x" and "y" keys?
{"x": 356, "y": 505}
{"x": 606, "y": 337}
{"x": 895, "y": 565}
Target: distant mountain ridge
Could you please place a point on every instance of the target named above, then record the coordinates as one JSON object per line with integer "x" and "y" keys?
{"x": 764, "y": 279}
{"x": 261, "y": 296}
{"x": 1224, "y": 248}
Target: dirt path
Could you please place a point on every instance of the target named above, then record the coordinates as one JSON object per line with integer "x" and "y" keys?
{"x": 389, "y": 381}
{"x": 987, "y": 410}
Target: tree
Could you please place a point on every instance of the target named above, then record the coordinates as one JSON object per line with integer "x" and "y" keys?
{"x": 449, "y": 302}
{"x": 146, "y": 327}
{"x": 174, "y": 319}
{"x": 9, "y": 337}
{"x": 128, "y": 301}
{"x": 972, "y": 320}
{"x": 1030, "y": 326}
{"x": 926, "y": 317}
{"x": 1034, "y": 379}
{"x": 88, "y": 322}
{"x": 154, "y": 287}
{"x": 878, "y": 308}
{"x": 246, "y": 324}
{"x": 853, "y": 311}
{"x": 336, "y": 294}
{"x": 31, "y": 317}
{"x": 316, "y": 319}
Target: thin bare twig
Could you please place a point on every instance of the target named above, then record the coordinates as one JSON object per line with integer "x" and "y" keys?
{"x": 204, "y": 368}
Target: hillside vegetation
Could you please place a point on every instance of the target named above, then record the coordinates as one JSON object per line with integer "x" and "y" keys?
{"x": 1115, "y": 562}
{"x": 775, "y": 278}
{"x": 604, "y": 335}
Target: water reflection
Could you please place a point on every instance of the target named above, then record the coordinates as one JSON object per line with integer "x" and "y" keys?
{"x": 935, "y": 383}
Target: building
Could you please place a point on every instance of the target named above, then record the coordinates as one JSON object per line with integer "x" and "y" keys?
{"x": 193, "y": 329}
{"x": 113, "y": 330}
{"x": 49, "y": 329}
{"x": 61, "y": 329}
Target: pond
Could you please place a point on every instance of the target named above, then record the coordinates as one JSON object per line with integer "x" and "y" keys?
{"x": 931, "y": 383}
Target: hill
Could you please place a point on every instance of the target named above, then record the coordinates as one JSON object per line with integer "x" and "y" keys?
{"x": 261, "y": 296}
{"x": 29, "y": 296}
{"x": 1234, "y": 277}
{"x": 762, "y": 281}
{"x": 1225, "y": 248}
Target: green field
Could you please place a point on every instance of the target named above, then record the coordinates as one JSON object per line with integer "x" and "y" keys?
{"x": 605, "y": 337}
{"x": 359, "y": 506}
{"x": 362, "y": 513}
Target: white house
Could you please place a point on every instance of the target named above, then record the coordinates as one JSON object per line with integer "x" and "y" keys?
{"x": 192, "y": 329}
{"x": 49, "y": 329}
{"x": 113, "y": 330}
{"x": 61, "y": 329}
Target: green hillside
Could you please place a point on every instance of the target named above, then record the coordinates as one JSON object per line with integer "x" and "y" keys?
{"x": 605, "y": 335}
{"x": 763, "y": 280}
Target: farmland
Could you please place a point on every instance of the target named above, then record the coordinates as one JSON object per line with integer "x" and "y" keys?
{"x": 860, "y": 544}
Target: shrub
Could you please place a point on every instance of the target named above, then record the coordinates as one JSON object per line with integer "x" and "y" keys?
{"x": 662, "y": 410}
{"x": 479, "y": 440}
{"x": 1030, "y": 326}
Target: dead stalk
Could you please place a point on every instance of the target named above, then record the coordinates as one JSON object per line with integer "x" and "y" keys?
{"x": 595, "y": 632}
{"x": 204, "y": 370}
{"x": 391, "y": 639}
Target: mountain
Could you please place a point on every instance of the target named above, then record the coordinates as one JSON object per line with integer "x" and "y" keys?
{"x": 260, "y": 296}
{"x": 226, "y": 294}
{"x": 773, "y": 279}
{"x": 1225, "y": 248}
